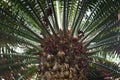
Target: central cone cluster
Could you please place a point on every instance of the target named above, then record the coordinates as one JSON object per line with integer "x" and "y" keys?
{"x": 63, "y": 57}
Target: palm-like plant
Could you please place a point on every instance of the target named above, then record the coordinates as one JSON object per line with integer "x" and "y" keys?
{"x": 60, "y": 39}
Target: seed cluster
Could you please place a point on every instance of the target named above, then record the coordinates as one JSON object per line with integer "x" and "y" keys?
{"x": 63, "y": 57}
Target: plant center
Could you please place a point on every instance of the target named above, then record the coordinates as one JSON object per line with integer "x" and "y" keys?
{"x": 63, "y": 57}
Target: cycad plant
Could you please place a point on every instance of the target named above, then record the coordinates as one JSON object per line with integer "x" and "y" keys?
{"x": 59, "y": 39}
